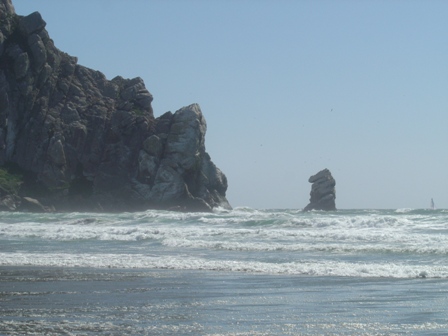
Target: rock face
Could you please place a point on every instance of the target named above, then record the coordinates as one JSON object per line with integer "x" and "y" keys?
{"x": 323, "y": 192}
{"x": 83, "y": 142}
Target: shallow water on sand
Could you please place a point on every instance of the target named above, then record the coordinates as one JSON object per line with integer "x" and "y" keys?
{"x": 74, "y": 301}
{"x": 239, "y": 272}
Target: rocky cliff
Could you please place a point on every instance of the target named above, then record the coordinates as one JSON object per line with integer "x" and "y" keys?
{"x": 323, "y": 192}
{"x": 82, "y": 142}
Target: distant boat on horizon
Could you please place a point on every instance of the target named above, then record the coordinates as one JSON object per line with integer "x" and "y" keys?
{"x": 432, "y": 207}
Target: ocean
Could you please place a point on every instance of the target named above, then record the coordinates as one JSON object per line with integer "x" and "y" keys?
{"x": 238, "y": 272}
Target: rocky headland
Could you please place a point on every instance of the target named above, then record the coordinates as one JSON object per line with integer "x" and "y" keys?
{"x": 323, "y": 192}
{"x": 72, "y": 140}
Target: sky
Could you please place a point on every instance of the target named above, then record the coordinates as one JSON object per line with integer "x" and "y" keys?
{"x": 287, "y": 88}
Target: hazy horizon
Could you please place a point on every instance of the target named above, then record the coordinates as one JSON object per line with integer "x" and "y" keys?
{"x": 287, "y": 88}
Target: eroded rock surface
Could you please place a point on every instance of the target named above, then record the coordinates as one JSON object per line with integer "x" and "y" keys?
{"x": 83, "y": 142}
{"x": 323, "y": 192}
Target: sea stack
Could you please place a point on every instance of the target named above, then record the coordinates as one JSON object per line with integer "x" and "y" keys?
{"x": 75, "y": 141}
{"x": 323, "y": 192}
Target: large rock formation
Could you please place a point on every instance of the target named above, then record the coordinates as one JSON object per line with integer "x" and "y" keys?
{"x": 323, "y": 192}
{"x": 82, "y": 142}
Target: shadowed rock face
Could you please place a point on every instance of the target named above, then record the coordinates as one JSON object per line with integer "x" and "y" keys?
{"x": 323, "y": 192}
{"x": 87, "y": 143}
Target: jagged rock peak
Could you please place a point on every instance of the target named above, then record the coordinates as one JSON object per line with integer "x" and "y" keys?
{"x": 6, "y": 8}
{"x": 84, "y": 143}
{"x": 323, "y": 192}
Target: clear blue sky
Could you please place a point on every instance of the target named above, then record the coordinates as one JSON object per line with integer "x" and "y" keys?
{"x": 287, "y": 88}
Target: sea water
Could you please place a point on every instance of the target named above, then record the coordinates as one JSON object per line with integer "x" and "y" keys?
{"x": 239, "y": 272}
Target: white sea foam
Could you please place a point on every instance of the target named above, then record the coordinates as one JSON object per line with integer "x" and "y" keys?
{"x": 338, "y": 237}
{"x": 308, "y": 247}
{"x": 403, "y": 210}
{"x": 402, "y": 244}
{"x": 185, "y": 262}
